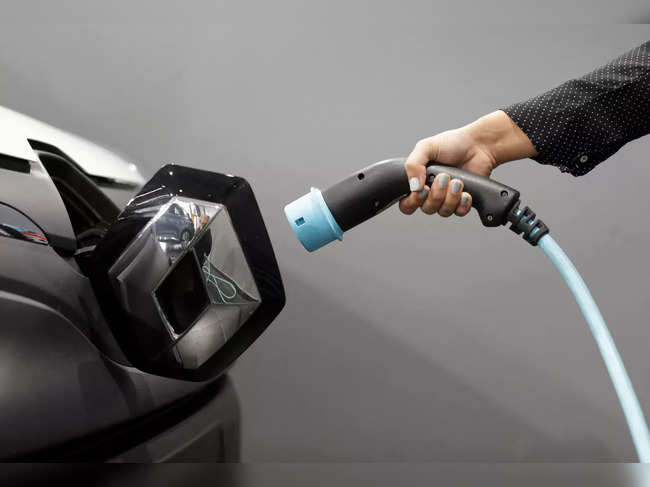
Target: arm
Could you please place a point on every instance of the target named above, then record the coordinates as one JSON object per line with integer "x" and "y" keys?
{"x": 584, "y": 121}
{"x": 574, "y": 127}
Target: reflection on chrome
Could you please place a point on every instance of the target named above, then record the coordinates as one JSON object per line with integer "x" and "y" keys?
{"x": 221, "y": 289}
{"x": 177, "y": 222}
{"x": 186, "y": 271}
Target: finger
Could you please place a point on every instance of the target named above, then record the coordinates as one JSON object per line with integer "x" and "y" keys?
{"x": 416, "y": 162}
{"x": 424, "y": 151}
{"x": 465, "y": 204}
{"x": 436, "y": 194}
{"x": 409, "y": 204}
{"x": 452, "y": 198}
{"x": 412, "y": 202}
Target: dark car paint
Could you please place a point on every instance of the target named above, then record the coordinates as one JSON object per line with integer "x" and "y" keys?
{"x": 58, "y": 386}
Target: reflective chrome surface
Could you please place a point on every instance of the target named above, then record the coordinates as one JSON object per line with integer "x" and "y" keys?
{"x": 185, "y": 271}
{"x": 186, "y": 275}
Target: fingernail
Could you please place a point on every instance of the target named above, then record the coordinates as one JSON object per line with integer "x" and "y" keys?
{"x": 464, "y": 199}
{"x": 414, "y": 184}
{"x": 443, "y": 180}
{"x": 423, "y": 194}
{"x": 455, "y": 186}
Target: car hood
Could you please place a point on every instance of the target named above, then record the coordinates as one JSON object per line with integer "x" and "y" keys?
{"x": 17, "y": 129}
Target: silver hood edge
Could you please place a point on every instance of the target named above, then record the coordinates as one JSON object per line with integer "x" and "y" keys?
{"x": 95, "y": 160}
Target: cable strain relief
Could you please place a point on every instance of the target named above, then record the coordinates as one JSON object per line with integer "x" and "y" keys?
{"x": 524, "y": 222}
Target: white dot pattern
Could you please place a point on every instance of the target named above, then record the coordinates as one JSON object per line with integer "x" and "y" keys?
{"x": 584, "y": 121}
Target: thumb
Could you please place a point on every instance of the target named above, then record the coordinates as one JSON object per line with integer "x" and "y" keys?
{"x": 424, "y": 151}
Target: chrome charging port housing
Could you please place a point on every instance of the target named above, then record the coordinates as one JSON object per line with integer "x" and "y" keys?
{"x": 187, "y": 274}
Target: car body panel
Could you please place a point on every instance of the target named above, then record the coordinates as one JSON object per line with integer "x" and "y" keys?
{"x": 35, "y": 195}
{"x": 58, "y": 387}
{"x": 17, "y": 129}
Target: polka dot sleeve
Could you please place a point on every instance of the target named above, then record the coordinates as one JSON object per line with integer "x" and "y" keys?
{"x": 584, "y": 121}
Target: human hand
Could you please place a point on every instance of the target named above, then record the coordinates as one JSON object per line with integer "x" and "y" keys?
{"x": 478, "y": 147}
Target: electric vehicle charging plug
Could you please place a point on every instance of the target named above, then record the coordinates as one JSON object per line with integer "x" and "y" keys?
{"x": 318, "y": 218}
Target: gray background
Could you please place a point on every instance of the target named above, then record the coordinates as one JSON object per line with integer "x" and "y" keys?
{"x": 418, "y": 338}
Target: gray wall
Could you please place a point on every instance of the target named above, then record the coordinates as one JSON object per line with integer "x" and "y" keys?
{"x": 418, "y": 338}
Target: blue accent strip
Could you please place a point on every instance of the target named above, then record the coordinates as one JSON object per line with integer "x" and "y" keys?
{"x": 621, "y": 381}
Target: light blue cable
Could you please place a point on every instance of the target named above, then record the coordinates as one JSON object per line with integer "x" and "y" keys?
{"x": 622, "y": 384}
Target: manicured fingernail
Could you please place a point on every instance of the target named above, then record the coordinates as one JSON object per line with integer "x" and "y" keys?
{"x": 464, "y": 199}
{"x": 423, "y": 194}
{"x": 443, "y": 179}
{"x": 414, "y": 184}
{"x": 455, "y": 186}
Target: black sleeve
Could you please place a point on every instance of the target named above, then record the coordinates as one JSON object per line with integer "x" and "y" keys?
{"x": 584, "y": 121}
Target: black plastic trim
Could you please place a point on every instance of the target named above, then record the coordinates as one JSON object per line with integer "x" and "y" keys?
{"x": 87, "y": 205}
{"x": 13, "y": 163}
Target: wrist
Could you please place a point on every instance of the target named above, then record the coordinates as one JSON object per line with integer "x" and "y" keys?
{"x": 500, "y": 138}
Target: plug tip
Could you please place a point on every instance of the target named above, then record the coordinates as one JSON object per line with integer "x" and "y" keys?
{"x": 311, "y": 221}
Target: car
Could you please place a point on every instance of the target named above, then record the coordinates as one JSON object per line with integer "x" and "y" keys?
{"x": 176, "y": 225}
{"x": 123, "y": 302}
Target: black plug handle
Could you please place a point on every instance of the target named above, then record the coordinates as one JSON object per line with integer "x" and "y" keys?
{"x": 491, "y": 199}
{"x": 370, "y": 190}
{"x": 366, "y": 192}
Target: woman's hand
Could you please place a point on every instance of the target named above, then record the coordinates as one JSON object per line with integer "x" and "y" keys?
{"x": 478, "y": 147}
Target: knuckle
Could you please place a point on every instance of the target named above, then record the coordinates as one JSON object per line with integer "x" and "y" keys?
{"x": 422, "y": 143}
{"x": 450, "y": 196}
{"x": 407, "y": 207}
{"x": 411, "y": 165}
{"x": 433, "y": 207}
{"x": 423, "y": 146}
{"x": 447, "y": 209}
{"x": 428, "y": 209}
{"x": 437, "y": 198}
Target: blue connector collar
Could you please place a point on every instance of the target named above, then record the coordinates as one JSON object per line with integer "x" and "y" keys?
{"x": 312, "y": 221}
